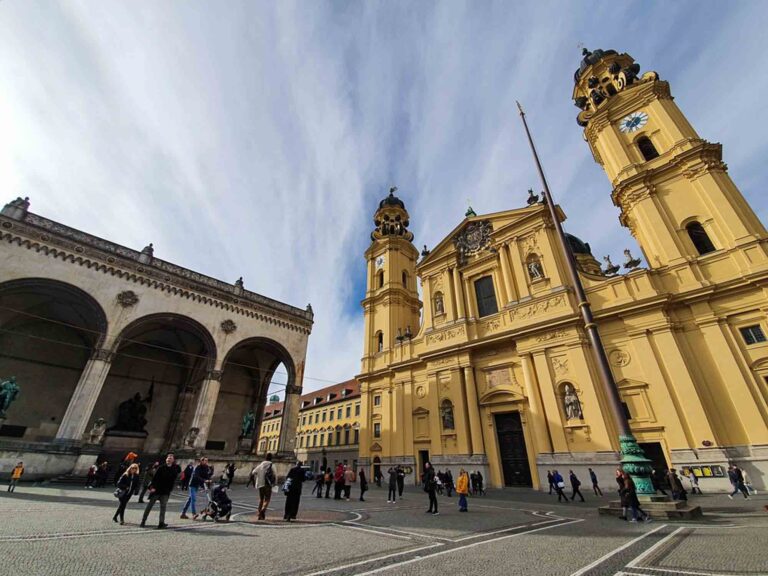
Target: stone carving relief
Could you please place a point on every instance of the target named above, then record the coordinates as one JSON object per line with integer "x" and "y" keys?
{"x": 619, "y": 357}
{"x": 540, "y": 307}
{"x": 529, "y": 244}
{"x": 191, "y": 437}
{"x": 127, "y": 298}
{"x": 445, "y": 335}
{"x": 421, "y": 392}
{"x": 498, "y": 378}
{"x": 228, "y": 326}
{"x": 560, "y": 365}
{"x": 472, "y": 239}
{"x": 552, "y": 336}
{"x": 96, "y": 434}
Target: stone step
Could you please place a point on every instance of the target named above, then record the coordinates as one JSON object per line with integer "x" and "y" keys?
{"x": 669, "y": 509}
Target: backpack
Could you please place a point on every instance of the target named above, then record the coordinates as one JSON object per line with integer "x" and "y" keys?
{"x": 269, "y": 477}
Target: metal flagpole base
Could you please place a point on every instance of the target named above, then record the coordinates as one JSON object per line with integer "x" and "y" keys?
{"x": 634, "y": 463}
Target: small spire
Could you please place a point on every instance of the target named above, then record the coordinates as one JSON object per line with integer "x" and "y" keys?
{"x": 392, "y": 190}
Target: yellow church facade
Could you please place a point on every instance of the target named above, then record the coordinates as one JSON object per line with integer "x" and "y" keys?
{"x": 490, "y": 369}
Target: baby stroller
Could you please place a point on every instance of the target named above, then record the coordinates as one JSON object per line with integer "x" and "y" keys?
{"x": 219, "y": 504}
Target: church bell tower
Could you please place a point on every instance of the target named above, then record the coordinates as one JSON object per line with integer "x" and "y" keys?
{"x": 391, "y": 300}
{"x": 672, "y": 186}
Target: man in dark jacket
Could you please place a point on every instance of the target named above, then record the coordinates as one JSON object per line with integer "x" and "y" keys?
{"x": 400, "y": 480}
{"x": 575, "y": 484}
{"x": 160, "y": 489}
{"x": 200, "y": 478}
{"x": 297, "y": 476}
{"x": 148, "y": 475}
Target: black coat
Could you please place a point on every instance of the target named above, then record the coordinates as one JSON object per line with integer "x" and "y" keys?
{"x": 297, "y": 476}
{"x": 165, "y": 479}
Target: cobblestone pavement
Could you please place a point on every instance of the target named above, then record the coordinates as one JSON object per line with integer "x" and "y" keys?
{"x": 66, "y": 531}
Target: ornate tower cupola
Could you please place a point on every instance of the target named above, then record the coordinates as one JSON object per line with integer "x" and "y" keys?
{"x": 392, "y": 305}
{"x": 672, "y": 186}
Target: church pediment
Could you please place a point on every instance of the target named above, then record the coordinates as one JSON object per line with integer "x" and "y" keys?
{"x": 420, "y": 410}
{"x": 501, "y": 395}
{"x": 375, "y": 447}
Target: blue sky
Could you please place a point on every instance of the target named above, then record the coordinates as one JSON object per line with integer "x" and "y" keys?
{"x": 255, "y": 139}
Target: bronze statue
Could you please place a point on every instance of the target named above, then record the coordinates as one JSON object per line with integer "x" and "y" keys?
{"x": 249, "y": 422}
{"x": 131, "y": 414}
{"x": 9, "y": 391}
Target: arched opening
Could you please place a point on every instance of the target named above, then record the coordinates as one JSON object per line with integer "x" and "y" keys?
{"x": 149, "y": 396}
{"x": 380, "y": 279}
{"x": 699, "y": 237}
{"x": 48, "y": 332}
{"x": 438, "y": 306}
{"x": 379, "y": 341}
{"x": 253, "y": 371}
{"x": 376, "y": 474}
{"x": 405, "y": 279}
{"x": 446, "y": 414}
{"x": 647, "y": 149}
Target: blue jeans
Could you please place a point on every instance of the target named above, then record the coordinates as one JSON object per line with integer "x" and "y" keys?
{"x": 462, "y": 502}
{"x": 191, "y": 500}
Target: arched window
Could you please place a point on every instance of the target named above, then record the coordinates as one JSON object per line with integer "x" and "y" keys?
{"x": 379, "y": 341}
{"x": 535, "y": 270}
{"x": 405, "y": 279}
{"x": 439, "y": 306}
{"x": 380, "y": 279}
{"x": 699, "y": 237}
{"x": 647, "y": 149}
{"x": 446, "y": 414}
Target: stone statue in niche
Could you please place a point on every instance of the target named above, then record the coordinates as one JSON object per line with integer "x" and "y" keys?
{"x": 131, "y": 414}
{"x": 189, "y": 439}
{"x": 535, "y": 271}
{"x": 446, "y": 415}
{"x": 9, "y": 391}
{"x": 439, "y": 309}
{"x": 96, "y": 435}
{"x": 572, "y": 404}
{"x": 249, "y": 422}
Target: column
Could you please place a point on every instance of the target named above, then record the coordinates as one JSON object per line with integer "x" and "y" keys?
{"x": 206, "y": 405}
{"x": 551, "y": 403}
{"x": 75, "y": 420}
{"x": 475, "y": 426}
{"x": 535, "y": 406}
{"x": 450, "y": 300}
{"x": 506, "y": 273}
{"x": 459, "y": 294}
{"x": 471, "y": 311}
{"x": 286, "y": 444}
{"x": 521, "y": 274}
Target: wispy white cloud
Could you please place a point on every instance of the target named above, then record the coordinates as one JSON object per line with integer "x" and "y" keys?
{"x": 255, "y": 139}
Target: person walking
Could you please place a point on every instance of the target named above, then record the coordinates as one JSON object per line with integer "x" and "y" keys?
{"x": 449, "y": 487}
{"x": 430, "y": 485}
{"x": 363, "y": 484}
{"x": 328, "y": 482}
{"x": 186, "y": 476}
{"x": 480, "y": 485}
{"x": 595, "y": 487}
{"x": 632, "y": 500}
{"x": 392, "y": 495}
{"x": 575, "y": 484}
{"x": 126, "y": 485}
{"x": 657, "y": 483}
{"x": 201, "y": 476}
{"x": 230, "y": 472}
{"x": 160, "y": 489}
{"x": 148, "y": 474}
{"x": 737, "y": 481}
{"x": 676, "y": 485}
{"x": 16, "y": 475}
{"x": 551, "y": 481}
{"x": 462, "y": 489}
{"x": 319, "y": 483}
{"x": 693, "y": 482}
{"x": 295, "y": 480}
{"x": 400, "y": 481}
{"x": 338, "y": 481}
{"x": 557, "y": 478}
{"x": 91, "y": 478}
{"x": 349, "y": 479}
{"x": 102, "y": 474}
{"x": 265, "y": 479}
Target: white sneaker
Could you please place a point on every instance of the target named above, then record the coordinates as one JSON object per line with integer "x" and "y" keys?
{"x": 389, "y": 501}
{"x": 729, "y": 496}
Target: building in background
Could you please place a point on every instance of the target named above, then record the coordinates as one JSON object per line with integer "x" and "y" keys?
{"x": 328, "y": 427}
{"x": 496, "y": 374}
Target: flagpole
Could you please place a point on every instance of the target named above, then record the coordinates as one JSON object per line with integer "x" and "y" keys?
{"x": 633, "y": 459}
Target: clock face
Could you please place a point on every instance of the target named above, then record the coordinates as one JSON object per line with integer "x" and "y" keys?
{"x": 633, "y": 122}
{"x": 380, "y": 261}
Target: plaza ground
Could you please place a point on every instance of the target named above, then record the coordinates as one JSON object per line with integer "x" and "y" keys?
{"x": 48, "y": 529}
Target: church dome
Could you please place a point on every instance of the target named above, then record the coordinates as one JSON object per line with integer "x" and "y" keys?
{"x": 589, "y": 59}
{"x": 392, "y": 200}
{"x": 577, "y": 246}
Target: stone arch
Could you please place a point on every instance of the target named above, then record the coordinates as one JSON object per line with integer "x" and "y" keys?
{"x": 48, "y": 332}
{"x": 164, "y": 358}
{"x": 247, "y": 373}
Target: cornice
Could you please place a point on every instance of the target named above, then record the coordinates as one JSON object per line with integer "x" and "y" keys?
{"x": 79, "y": 248}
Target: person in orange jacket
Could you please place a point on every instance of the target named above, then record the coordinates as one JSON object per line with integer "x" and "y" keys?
{"x": 462, "y": 489}
{"x": 16, "y": 475}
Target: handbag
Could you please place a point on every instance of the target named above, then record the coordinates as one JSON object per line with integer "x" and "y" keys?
{"x": 119, "y": 493}
{"x": 561, "y": 484}
{"x": 287, "y": 485}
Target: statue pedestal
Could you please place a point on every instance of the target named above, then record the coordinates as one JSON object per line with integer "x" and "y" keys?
{"x": 244, "y": 446}
{"x": 117, "y": 440}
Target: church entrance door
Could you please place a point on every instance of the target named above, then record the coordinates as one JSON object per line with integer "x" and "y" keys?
{"x": 514, "y": 456}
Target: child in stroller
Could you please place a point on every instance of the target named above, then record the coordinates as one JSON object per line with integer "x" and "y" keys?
{"x": 219, "y": 504}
